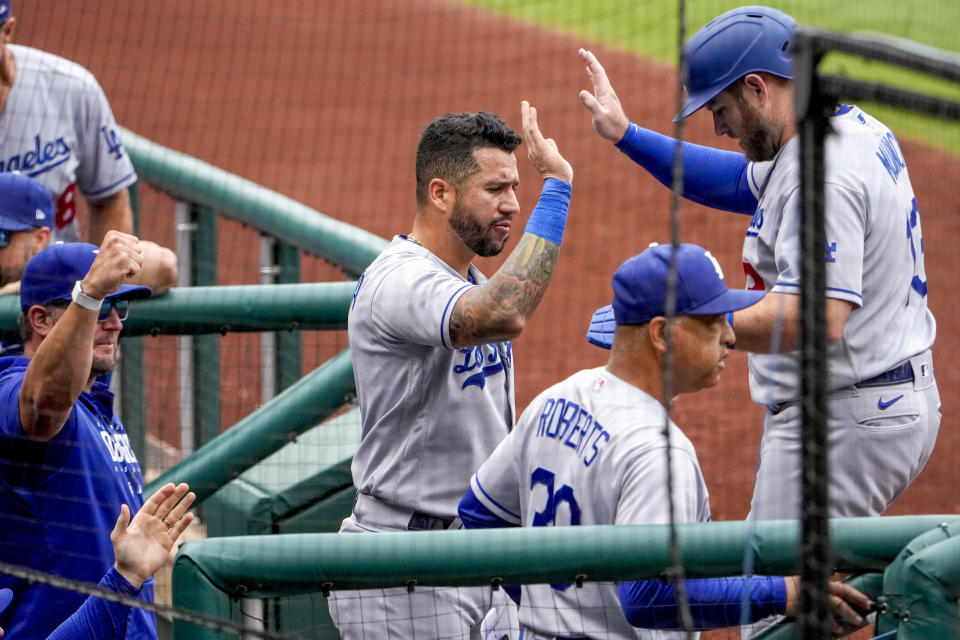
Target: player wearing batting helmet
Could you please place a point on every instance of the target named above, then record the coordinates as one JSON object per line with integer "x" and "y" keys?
{"x": 591, "y": 450}
{"x": 430, "y": 342}
{"x": 884, "y": 404}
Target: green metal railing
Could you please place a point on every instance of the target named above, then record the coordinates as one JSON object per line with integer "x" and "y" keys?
{"x": 314, "y": 398}
{"x": 209, "y": 573}
{"x": 191, "y": 180}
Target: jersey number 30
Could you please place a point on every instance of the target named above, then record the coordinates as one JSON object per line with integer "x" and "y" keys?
{"x": 547, "y": 516}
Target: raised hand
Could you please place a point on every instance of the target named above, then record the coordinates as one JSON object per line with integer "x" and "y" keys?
{"x": 609, "y": 119}
{"x": 120, "y": 257}
{"x": 142, "y": 546}
{"x": 542, "y": 152}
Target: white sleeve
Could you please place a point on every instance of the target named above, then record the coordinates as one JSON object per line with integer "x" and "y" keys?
{"x": 413, "y": 303}
{"x": 643, "y": 489}
{"x": 845, "y": 228}
{"x": 846, "y": 233}
{"x": 104, "y": 168}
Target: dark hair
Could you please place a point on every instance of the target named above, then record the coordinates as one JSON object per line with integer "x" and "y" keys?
{"x": 446, "y": 147}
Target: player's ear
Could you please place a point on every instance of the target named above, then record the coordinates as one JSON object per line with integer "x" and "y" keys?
{"x": 755, "y": 87}
{"x": 657, "y": 334}
{"x": 40, "y": 238}
{"x": 441, "y": 194}
{"x": 40, "y": 319}
{"x": 9, "y": 27}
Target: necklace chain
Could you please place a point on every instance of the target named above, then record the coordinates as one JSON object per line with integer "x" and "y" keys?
{"x": 413, "y": 239}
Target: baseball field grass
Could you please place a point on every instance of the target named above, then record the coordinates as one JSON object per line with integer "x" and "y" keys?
{"x": 649, "y": 28}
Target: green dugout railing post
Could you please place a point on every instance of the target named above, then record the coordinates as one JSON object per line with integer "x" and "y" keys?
{"x": 206, "y": 348}
{"x": 289, "y": 358}
{"x": 133, "y": 397}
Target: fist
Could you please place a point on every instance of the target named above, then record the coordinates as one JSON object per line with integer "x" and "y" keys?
{"x": 120, "y": 257}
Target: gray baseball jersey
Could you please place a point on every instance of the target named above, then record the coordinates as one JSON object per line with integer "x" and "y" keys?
{"x": 431, "y": 413}
{"x": 874, "y": 254}
{"x": 57, "y": 127}
{"x": 590, "y": 450}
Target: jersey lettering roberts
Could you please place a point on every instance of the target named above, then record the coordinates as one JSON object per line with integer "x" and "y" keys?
{"x": 431, "y": 413}
{"x": 57, "y": 127}
{"x": 589, "y": 451}
{"x": 874, "y": 254}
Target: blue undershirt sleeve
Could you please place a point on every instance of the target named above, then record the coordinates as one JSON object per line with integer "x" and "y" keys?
{"x": 99, "y": 619}
{"x": 476, "y": 516}
{"x": 711, "y": 177}
{"x": 714, "y": 602}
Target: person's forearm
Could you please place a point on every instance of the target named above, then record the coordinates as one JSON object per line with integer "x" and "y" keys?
{"x": 57, "y": 373}
{"x": 499, "y": 309}
{"x": 711, "y": 177}
{"x": 113, "y": 212}
{"x": 713, "y": 603}
{"x": 98, "y": 619}
{"x": 773, "y": 324}
{"x": 769, "y": 326}
{"x": 159, "y": 270}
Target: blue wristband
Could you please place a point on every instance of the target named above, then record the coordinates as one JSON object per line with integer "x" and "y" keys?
{"x": 549, "y": 217}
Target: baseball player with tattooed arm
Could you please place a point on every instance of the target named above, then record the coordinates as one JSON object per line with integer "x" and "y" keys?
{"x": 591, "y": 450}
{"x": 430, "y": 341}
{"x": 884, "y": 407}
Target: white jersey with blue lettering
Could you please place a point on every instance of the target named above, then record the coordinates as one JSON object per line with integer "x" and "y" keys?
{"x": 431, "y": 413}
{"x": 57, "y": 127}
{"x": 874, "y": 254}
{"x": 589, "y": 451}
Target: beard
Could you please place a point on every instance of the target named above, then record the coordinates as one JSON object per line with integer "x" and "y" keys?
{"x": 105, "y": 364}
{"x": 474, "y": 235}
{"x": 757, "y": 139}
{"x": 13, "y": 270}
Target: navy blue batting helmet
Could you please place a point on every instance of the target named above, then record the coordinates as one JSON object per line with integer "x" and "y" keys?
{"x": 741, "y": 41}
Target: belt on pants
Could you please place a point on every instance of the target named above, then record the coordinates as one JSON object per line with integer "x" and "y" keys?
{"x": 376, "y": 511}
{"x": 897, "y": 375}
{"x": 420, "y": 521}
{"x": 528, "y": 634}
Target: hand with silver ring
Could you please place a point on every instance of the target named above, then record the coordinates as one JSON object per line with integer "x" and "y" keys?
{"x": 142, "y": 545}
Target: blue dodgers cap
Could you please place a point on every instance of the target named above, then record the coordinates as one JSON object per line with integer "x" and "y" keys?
{"x": 25, "y": 203}
{"x": 4, "y": 10}
{"x": 51, "y": 274}
{"x": 741, "y": 41}
{"x": 640, "y": 290}
{"x": 6, "y": 597}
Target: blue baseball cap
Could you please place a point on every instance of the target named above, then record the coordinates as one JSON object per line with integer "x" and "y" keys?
{"x": 25, "y": 203}
{"x": 4, "y": 10}
{"x": 51, "y": 274}
{"x": 741, "y": 41}
{"x": 6, "y": 597}
{"x": 640, "y": 290}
